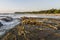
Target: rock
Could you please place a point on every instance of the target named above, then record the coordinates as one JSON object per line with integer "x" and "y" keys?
{"x": 7, "y": 19}
{"x": 1, "y": 24}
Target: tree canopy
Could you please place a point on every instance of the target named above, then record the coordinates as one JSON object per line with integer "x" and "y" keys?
{"x": 51, "y": 11}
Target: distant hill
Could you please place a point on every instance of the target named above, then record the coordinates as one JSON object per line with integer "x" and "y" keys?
{"x": 51, "y": 11}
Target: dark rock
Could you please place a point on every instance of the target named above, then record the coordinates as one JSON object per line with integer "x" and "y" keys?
{"x": 58, "y": 28}
{"x": 1, "y": 24}
{"x": 7, "y": 19}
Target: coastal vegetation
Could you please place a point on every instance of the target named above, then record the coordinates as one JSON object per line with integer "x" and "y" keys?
{"x": 51, "y": 11}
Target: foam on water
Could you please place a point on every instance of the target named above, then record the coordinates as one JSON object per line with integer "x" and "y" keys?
{"x": 8, "y": 25}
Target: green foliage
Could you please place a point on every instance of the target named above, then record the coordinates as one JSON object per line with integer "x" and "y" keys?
{"x": 51, "y": 11}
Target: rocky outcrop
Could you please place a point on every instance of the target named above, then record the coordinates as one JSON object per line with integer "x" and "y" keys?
{"x": 31, "y": 29}
{"x": 1, "y": 24}
{"x": 7, "y": 19}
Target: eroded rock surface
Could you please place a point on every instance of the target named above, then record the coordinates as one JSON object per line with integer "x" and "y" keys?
{"x": 34, "y": 29}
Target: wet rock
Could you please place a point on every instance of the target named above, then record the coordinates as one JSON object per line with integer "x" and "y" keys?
{"x": 58, "y": 27}
{"x": 7, "y": 19}
{"x": 29, "y": 29}
{"x": 1, "y": 24}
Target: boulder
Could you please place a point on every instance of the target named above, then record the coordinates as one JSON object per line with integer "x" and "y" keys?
{"x": 1, "y": 24}
{"x": 7, "y": 19}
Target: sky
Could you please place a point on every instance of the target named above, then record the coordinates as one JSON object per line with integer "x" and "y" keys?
{"x": 10, "y": 6}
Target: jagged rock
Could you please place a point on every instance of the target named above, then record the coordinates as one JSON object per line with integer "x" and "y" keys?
{"x": 33, "y": 30}
{"x": 1, "y": 24}
{"x": 7, "y": 19}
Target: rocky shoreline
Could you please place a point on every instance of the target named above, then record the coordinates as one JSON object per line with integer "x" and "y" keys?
{"x": 35, "y": 29}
